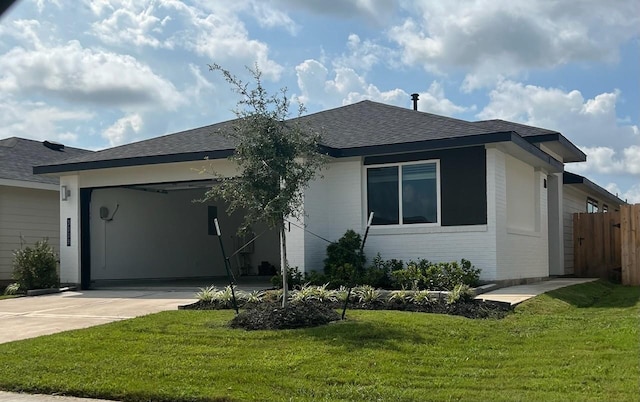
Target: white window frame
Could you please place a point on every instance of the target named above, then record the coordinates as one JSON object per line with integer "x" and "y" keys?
{"x": 399, "y": 165}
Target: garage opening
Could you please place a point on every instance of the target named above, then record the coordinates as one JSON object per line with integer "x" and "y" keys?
{"x": 157, "y": 232}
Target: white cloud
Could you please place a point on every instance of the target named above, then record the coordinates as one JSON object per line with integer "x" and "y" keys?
{"x": 136, "y": 25}
{"x": 39, "y": 121}
{"x": 632, "y": 195}
{"x": 212, "y": 30}
{"x": 347, "y": 86}
{"x": 377, "y": 11}
{"x": 269, "y": 17}
{"x": 123, "y": 129}
{"x": 583, "y": 121}
{"x": 504, "y": 37}
{"x": 588, "y": 123}
{"x": 80, "y": 75}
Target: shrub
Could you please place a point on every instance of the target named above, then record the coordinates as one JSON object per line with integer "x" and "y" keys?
{"x": 460, "y": 293}
{"x": 344, "y": 260}
{"x": 35, "y": 267}
{"x": 206, "y": 295}
{"x": 294, "y": 279}
{"x": 12, "y": 289}
{"x": 378, "y": 274}
{"x": 422, "y": 274}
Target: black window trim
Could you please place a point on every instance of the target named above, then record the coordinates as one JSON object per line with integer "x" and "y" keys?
{"x": 398, "y": 165}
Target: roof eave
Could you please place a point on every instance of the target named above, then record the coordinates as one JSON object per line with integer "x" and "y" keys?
{"x": 135, "y": 161}
{"x": 569, "y": 178}
{"x": 568, "y": 151}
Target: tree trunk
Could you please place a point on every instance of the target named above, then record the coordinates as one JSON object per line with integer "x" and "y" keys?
{"x": 283, "y": 265}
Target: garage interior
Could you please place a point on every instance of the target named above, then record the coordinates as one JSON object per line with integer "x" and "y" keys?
{"x": 159, "y": 233}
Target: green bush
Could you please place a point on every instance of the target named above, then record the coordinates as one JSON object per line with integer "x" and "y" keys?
{"x": 378, "y": 274}
{"x": 344, "y": 261}
{"x": 35, "y": 267}
{"x": 294, "y": 278}
{"x": 435, "y": 276}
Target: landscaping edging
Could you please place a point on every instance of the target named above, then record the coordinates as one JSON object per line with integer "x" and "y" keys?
{"x": 40, "y": 292}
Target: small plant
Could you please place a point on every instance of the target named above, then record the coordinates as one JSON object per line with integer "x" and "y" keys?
{"x": 294, "y": 278}
{"x": 255, "y": 296}
{"x": 306, "y": 292}
{"x": 35, "y": 267}
{"x": 422, "y": 298}
{"x": 206, "y": 295}
{"x": 224, "y": 297}
{"x": 460, "y": 293}
{"x": 367, "y": 294}
{"x": 400, "y": 296}
{"x": 341, "y": 294}
{"x": 12, "y": 289}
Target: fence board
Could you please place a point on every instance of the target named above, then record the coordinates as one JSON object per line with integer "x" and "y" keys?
{"x": 597, "y": 251}
{"x": 630, "y": 248}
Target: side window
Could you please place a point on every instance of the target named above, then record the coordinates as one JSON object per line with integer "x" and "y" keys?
{"x": 592, "y": 205}
{"x": 605, "y": 208}
{"x": 403, "y": 194}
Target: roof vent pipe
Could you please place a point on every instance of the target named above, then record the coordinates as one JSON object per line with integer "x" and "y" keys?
{"x": 414, "y": 98}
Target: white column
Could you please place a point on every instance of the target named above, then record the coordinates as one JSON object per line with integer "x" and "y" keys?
{"x": 70, "y": 230}
{"x": 556, "y": 235}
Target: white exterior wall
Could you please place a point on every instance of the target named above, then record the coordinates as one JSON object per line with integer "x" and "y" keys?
{"x": 332, "y": 205}
{"x": 337, "y": 202}
{"x": 522, "y": 244}
{"x": 30, "y": 213}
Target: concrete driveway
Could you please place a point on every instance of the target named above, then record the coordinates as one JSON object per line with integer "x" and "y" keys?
{"x": 29, "y": 317}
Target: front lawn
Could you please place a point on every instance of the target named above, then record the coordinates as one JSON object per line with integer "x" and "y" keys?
{"x": 577, "y": 343}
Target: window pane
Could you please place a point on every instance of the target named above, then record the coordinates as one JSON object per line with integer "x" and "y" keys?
{"x": 382, "y": 195}
{"x": 419, "y": 194}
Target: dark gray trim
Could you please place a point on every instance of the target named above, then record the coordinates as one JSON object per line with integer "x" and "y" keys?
{"x": 427, "y": 145}
{"x": 562, "y": 140}
{"x": 572, "y": 178}
{"x": 146, "y": 160}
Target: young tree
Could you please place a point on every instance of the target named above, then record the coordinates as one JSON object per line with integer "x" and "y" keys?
{"x": 276, "y": 157}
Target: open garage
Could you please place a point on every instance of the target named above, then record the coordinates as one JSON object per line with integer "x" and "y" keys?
{"x": 162, "y": 231}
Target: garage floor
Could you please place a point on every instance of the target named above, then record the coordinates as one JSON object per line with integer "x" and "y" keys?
{"x": 246, "y": 283}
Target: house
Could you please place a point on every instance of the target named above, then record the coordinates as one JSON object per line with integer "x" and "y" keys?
{"x": 581, "y": 195}
{"x": 29, "y": 204}
{"x": 440, "y": 188}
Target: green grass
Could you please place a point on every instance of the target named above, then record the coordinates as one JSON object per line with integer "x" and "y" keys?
{"x": 577, "y": 343}
{"x": 9, "y": 296}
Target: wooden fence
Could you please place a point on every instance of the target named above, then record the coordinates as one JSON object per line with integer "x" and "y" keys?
{"x": 607, "y": 245}
{"x": 630, "y": 233}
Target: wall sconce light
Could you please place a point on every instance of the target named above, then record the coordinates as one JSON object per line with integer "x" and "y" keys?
{"x": 65, "y": 193}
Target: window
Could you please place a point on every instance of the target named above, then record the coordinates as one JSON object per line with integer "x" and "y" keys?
{"x": 605, "y": 208}
{"x": 403, "y": 194}
{"x": 592, "y": 205}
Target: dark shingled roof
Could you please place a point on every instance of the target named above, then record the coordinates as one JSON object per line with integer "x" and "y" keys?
{"x": 361, "y": 128}
{"x": 522, "y": 129}
{"x": 572, "y": 178}
{"x": 19, "y": 155}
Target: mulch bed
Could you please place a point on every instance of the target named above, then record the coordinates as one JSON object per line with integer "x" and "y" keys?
{"x": 310, "y": 313}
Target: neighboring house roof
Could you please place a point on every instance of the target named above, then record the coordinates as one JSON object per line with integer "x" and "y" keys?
{"x": 552, "y": 139}
{"x": 569, "y": 178}
{"x": 19, "y": 155}
{"x": 363, "y": 128}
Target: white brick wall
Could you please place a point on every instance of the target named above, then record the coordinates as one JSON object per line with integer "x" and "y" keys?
{"x": 520, "y": 253}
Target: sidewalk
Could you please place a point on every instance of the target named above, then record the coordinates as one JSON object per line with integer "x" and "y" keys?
{"x": 14, "y": 397}
{"x": 517, "y": 294}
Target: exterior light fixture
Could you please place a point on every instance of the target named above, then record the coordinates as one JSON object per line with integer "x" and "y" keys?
{"x": 65, "y": 193}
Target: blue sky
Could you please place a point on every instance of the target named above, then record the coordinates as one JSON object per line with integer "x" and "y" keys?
{"x": 96, "y": 74}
